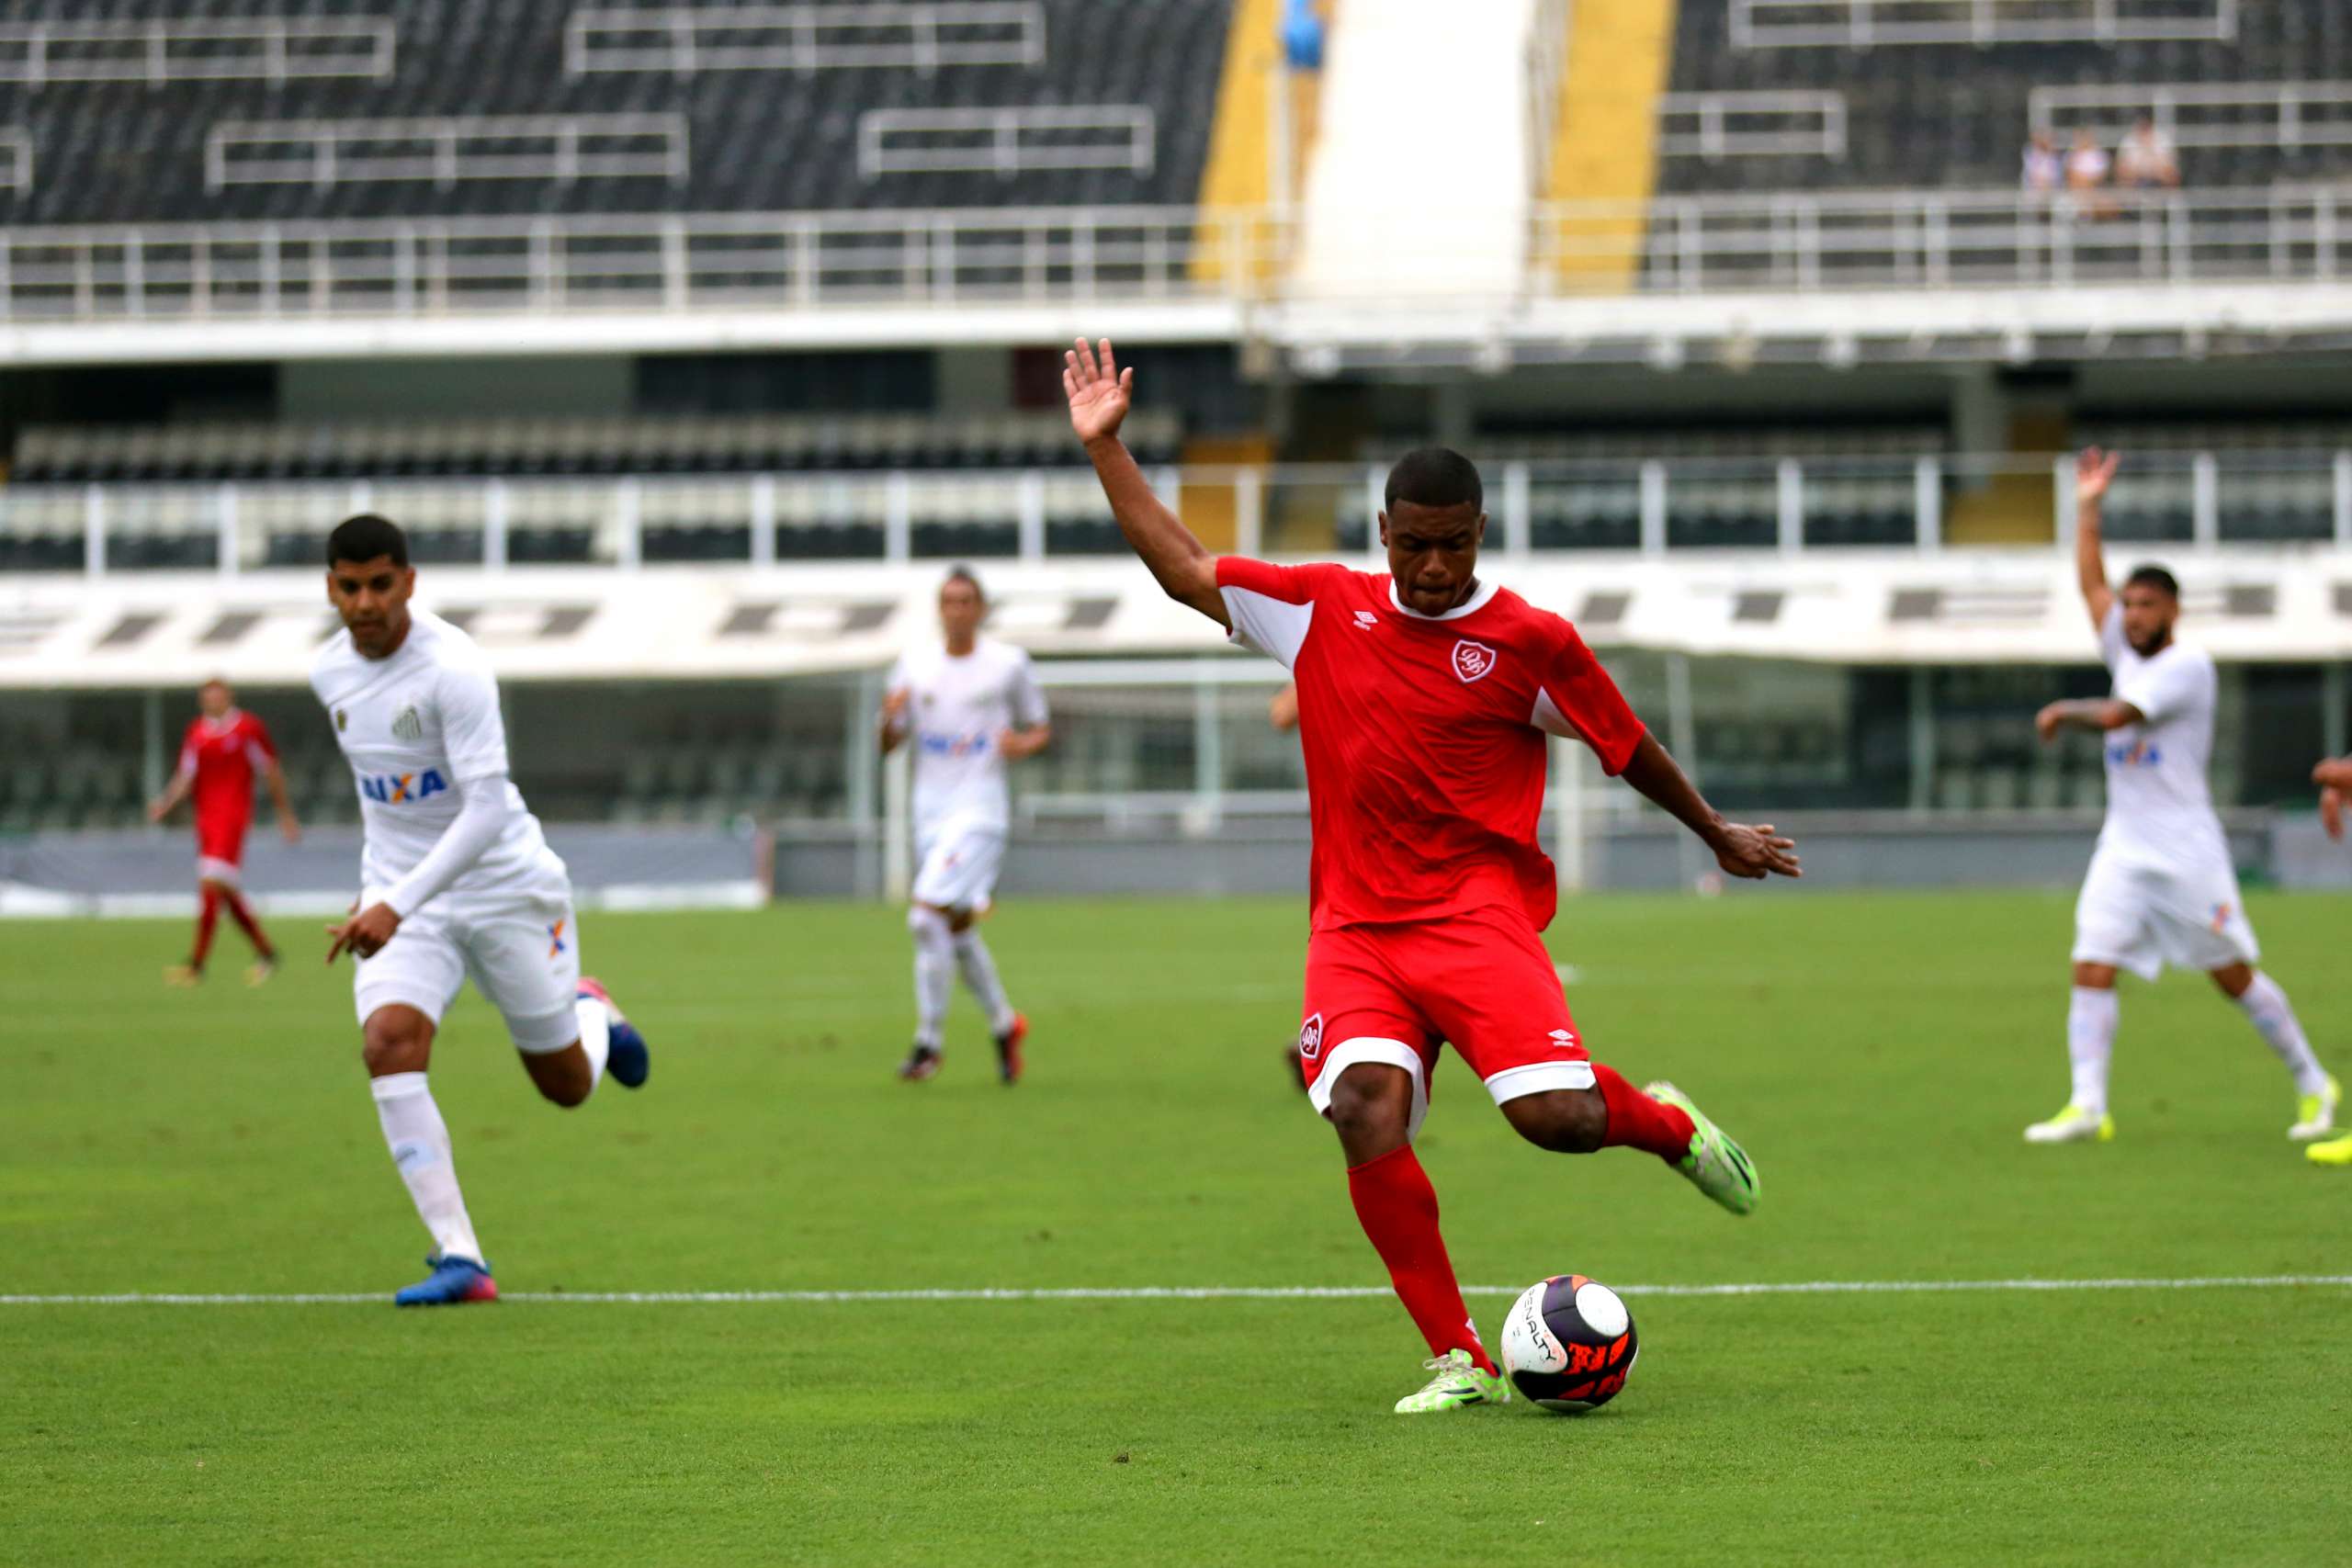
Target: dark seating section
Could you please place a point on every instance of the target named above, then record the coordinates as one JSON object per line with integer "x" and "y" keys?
{"x": 760, "y": 140}
{"x": 1925, "y": 115}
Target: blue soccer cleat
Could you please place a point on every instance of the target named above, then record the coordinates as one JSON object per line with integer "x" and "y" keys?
{"x": 627, "y": 1060}
{"x": 453, "y": 1282}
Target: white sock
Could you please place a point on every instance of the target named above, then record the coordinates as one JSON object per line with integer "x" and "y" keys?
{"x": 2090, "y": 1041}
{"x": 2274, "y": 1019}
{"x": 978, "y": 967}
{"x": 935, "y": 973}
{"x": 595, "y": 1036}
{"x": 420, "y": 1146}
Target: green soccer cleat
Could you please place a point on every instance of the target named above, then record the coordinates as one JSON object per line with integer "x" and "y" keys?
{"x": 2072, "y": 1125}
{"x": 1458, "y": 1382}
{"x": 1717, "y": 1164}
{"x": 2316, "y": 1113}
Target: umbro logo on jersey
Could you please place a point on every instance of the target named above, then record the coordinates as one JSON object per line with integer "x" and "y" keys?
{"x": 398, "y": 789}
{"x": 408, "y": 726}
{"x": 1311, "y": 1037}
{"x": 1366, "y": 620}
{"x": 1473, "y": 661}
{"x": 1564, "y": 1038}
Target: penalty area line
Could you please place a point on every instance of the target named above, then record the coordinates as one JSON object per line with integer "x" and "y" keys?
{"x": 1193, "y": 1293}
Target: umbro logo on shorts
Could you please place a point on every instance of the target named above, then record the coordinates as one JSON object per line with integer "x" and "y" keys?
{"x": 1311, "y": 1037}
{"x": 1565, "y": 1038}
{"x": 1473, "y": 661}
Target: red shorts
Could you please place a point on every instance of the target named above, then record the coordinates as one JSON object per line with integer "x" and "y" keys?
{"x": 1396, "y": 993}
{"x": 221, "y": 848}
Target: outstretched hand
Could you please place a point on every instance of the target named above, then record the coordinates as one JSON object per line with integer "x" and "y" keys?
{"x": 1756, "y": 852}
{"x": 1100, "y": 393}
{"x": 365, "y": 933}
{"x": 2093, "y": 471}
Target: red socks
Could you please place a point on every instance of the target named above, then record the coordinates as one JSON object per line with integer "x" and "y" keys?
{"x": 208, "y": 915}
{"x": 1636, "y": 1121}
{"x": 1397, "y": 1208}
{"x": 246, "y": 923}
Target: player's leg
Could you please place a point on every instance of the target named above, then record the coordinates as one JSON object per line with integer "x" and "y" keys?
{"x": 523, "y": 955}
{"x": 1362, "y": 1052}
{"x": 2266, "y": 1006}
{"x": 2111, "y": 933}
{"x": 961, "y": 888}
{"x": 934, "y": 976}
{"x": 207, "y": 921}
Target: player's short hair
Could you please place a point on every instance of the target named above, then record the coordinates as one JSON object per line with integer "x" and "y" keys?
{"x": 1435, "y": 477}
{"x": 365, "y": 538}
{"x": 2158, "y": 578}
{"x": 965, "y": 574}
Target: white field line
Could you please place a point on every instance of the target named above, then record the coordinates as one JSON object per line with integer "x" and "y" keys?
{"x": 1201, "y": 1292}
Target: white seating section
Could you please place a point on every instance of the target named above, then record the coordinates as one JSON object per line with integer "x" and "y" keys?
{"x": 1721, "y": 125}
{"x": 1865, "y": 24}
{"x": 561, "y": 148}
{"x": 2282, "y": 115}
{"x": 1007, "y": 142}
{"x": 196, "y": 49}
{"x": 685, "y": 41}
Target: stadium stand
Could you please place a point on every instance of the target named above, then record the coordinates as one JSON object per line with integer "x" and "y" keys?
{"x": 774, "y": 122}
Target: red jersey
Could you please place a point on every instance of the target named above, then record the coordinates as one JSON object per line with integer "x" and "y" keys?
{"x": 223, "y": 754}
{"x": 1425, "y": 736}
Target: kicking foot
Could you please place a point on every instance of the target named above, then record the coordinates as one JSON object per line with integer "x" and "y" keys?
{"x": 453, "y": 1282}
{"x": 2335, "y": 1151}
{"x": 921, "y": 1063}
{"x": 628, "y": 1061}
{"x": 1008, "y": 1050}
{"x": 258, "y": 972}
{"x": 182, "y": 976}
{"x": 2316, "y": 1113}
{"x": 2072, "y": 1125}
{"x": 1458, "y": 1382}
{"x": 1717, "y": 1164}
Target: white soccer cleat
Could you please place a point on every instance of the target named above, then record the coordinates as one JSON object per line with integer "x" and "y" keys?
{"x": 2316, "y": 1113}
{"x": 2072, "y": 1125}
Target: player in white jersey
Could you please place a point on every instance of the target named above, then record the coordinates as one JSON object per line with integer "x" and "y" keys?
{"x": 2162, "y": 888}
{"x": 458, "y": 879}
{"x": 2334, "y": 779}
{"x": 969, "y": 704}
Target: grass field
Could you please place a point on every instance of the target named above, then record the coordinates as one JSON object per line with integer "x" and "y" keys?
{"x": 1877, "y": 1055}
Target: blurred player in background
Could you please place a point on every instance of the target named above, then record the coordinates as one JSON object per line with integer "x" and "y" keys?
{"x": 2334, "y": 779}
{"x": 1424, "y": 697}
{"x": 222, "y": 749}
{"x": 971, "y": 705}
{"x": 458, "y": 880}
{"x": 2162, "y": 888}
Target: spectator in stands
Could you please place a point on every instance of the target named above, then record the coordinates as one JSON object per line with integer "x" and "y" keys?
{"x": 2146, "y": 160}
{"x": 2044, "y": 169}
{"x": 1303, "y": 35}
{"x": 2086, "y": 170}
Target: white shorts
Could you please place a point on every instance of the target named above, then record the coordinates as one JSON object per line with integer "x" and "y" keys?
{"x": 2141, "y": 916}
{"x": 522, "y": 950}
{"x": 958, "y": 863}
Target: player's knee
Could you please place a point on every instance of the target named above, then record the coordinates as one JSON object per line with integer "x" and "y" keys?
{"x": 925, "y": 921}
{"x": 1371, "y": 1105}
{"x": 393, "y": 1045}
{"x": 1564, "y": 1120}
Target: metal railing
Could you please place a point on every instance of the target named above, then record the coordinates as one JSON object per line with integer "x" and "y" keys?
{"x": 196, "y": 49}
{"x": 1647, "y": 506}
{"x": 17, "y": 166}
{"x": 1720, "y": 125}
{"x": 684, "y": 41}
{"x": 1007, "y": 142}
{"x": 2204, "y": 114}
{"x": 1860, "y": 24}
{"x": 447, "y": 149}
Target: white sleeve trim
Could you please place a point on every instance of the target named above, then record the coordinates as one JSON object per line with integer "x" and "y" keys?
{"x": 1373, "y": 1048}
{"x": 1276, "y": 628}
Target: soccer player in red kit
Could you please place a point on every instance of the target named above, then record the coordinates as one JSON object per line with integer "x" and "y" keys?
{"x": 1424, "y": 697}
{"x": 223, "y": 748}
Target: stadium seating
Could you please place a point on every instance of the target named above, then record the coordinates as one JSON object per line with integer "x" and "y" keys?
{"x": 231, "y": 145}
{"x": 1923, "y": 115}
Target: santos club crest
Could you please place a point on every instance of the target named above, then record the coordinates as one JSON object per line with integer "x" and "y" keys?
{"x": 1471, "y": 660}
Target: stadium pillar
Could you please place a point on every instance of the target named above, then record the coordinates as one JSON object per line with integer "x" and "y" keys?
{"x": 1792, "y": 506}
{"x": 2344, "y": 500}
{"x": 867, "y": 879}
{"x": 151, "y": 742}
{"x": 1208, "y": 748}
{"x": 763, "y": 521}
{"x": 898, "y": 855}
{"x": 495, "y": 521}
{"x": 629, "y": 523}
{"x": 2335, "y": 716}
{"x": 1518, "y": 521}
{"x": 1923, "y": 738}
{"x": 1652, "y": 508}
{"x": 2205, "y": 518}
{"x": 1928, "y": 505}
{"x": 94, "y": 530}
{"x": 224, "y": 521}
{"x": 1682, "y": 723}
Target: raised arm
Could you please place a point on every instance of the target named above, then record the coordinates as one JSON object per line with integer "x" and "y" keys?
{"x": 2093, "y": 470}
{"x": 1100, "y": 395}
{"x": 1754, "y": 853}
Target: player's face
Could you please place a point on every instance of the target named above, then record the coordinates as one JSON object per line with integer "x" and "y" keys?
{"x": 960, "y": 611}
{"x": 212, "y": 699}
{"x": 372, "y": 598}
{"x": 1432, "y": 553}
{"x": 2148, "y": 615}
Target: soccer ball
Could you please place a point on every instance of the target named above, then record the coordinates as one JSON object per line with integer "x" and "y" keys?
{"x": 1568, "y": 1343}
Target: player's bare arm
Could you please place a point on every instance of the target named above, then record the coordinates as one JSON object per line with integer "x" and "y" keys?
{"x": 1022, "y": 742}
{"x": 2334, "y": 781}
{"x": 2093, "y": 471}
{"x": 364, "y": 934}
{"x": 2097, "y": 714}
{"x": 1754, "y": 853}
{"x": 1282, "y": 711}
{"x": 890, "y": 732}
{"x": 164, "y": 804}
{"x": 1100, "y": 395}
{"x": 288, "y": 825}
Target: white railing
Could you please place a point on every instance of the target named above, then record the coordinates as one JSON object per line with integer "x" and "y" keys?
{"x": 17, "y": 158}
{"x": 327, "y": 152}
{"x": 1721, "y": 125}
{"x": 196, "y": 49}
{"x": 1007, "y": 142}
{"x": 2284, "y": 115}
{"x": 1860, "y": 24}
{"x": 1634, "y": 504}
{"x": 684, "y": 41}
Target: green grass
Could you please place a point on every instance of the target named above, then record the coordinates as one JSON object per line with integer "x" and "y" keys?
{"x": 1877, "y": 1055}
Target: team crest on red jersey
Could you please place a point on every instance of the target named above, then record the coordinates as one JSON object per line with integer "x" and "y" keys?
{"x": 1310, "y": 1038}
{"x": 1473, "y": 661}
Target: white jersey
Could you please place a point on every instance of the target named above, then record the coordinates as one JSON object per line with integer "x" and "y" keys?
{"x": 955, "y": 710}
{"x": 417, "y": 728}
{"x": 2158, "y": 805}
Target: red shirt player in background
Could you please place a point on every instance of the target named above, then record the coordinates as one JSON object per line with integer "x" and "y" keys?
{"x": 223, "y": 747}
{"x": 1424, "y": 698}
